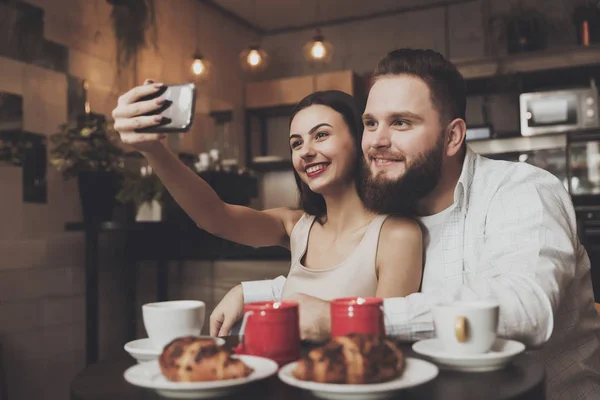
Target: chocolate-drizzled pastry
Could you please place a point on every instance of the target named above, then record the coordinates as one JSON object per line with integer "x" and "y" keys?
{"x": 193, "y": 359}
{"x": 353, "y": 359}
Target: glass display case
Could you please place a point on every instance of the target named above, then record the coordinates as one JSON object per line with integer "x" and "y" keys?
{"x": 573, "y": 157}
{"x": 583, "y": 163}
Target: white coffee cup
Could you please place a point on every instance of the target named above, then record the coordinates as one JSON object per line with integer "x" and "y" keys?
{"x": 467, "y": 327}
{"x": 168, "y": 320}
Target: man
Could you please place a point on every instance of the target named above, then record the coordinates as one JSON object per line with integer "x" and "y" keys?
{"x": 493, "y": 229}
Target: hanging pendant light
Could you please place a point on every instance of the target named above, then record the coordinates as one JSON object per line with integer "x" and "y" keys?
{"x": 254, "y": 59}
{"x": 318, "y": 50}
{"x": 200, "y": 66}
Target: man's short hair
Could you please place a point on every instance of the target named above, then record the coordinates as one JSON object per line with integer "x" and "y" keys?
{"x": 446, "y": 84}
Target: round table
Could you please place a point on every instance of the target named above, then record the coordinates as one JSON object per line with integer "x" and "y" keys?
{"x": 523, "y": 379}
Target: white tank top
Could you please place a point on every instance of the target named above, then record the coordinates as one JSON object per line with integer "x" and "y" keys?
{"x": 355, "y": 276}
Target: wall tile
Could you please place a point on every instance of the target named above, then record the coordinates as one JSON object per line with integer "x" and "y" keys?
{"x": 95, "y": 38}
{"x": 65, "y": 249}
{"x": 94, "y": 69}
{"x": 63, "y": 338}
{"x": 44, "y": 100}
{"x": 35, "y": 220}
{"x": 22, "y": 254}
{"x": 77, "y": 277}
{"x": 63, "y": 310}
{"x": 12, "y": 76}
{"x": 11, "y": 204}
{"x": 23, "y": 284}
{"x": 21, "y": 316}
{"x": 47, "y": 85}
{"x": 22, "y": 346}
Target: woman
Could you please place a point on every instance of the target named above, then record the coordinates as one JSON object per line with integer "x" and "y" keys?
{"x": 338, "y": 248}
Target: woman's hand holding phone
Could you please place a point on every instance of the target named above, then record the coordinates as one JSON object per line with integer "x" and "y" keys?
{"x": 129, "y": 116}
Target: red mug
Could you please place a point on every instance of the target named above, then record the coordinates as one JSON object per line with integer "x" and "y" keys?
{"x": 357, "y": 315}
{"x": 272, "y": 330}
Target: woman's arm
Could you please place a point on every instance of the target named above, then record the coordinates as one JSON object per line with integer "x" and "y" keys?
{"x": 232, "y": 222}
{"x": 236, "y": 223}
{"x": 399, "y": 258}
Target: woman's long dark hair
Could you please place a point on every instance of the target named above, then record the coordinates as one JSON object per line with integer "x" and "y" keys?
{"x": 344, "y": 104}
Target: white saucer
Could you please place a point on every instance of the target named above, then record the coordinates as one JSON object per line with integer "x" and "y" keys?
{"x": 416, "y": 372}
{"x": 498, "y": 357}
{"x": 149, "y": 376}
{"x": 143, "y": 350}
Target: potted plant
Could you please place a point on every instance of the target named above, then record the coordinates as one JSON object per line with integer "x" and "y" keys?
{"x": 145, "y": 192}
{"x": 87, "y": 149}
{"x": 131, "y": 20}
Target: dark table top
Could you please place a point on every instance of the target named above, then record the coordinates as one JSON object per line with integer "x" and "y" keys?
{"x": 524, "y": 378}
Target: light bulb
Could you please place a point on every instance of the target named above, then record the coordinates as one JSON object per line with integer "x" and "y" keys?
{"x": 198, "y": 67}
{"x": 318, "y": 50}
{"x": 254, "y": 57}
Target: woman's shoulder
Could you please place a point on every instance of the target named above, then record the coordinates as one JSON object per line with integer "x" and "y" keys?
{"x": 400, "y": 238}
{"x": 398, "y": 228}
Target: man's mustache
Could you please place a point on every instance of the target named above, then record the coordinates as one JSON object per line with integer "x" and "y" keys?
{"x": 386, "y": 155}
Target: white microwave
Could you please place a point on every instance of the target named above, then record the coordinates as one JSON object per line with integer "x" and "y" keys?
{"x": 558, "y": 111}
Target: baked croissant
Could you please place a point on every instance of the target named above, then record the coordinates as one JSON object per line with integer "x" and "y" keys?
{"x": 352, "y": 359}
{"x": 193, "y": 359}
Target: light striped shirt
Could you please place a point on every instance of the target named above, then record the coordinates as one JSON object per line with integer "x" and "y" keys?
{"x": 511, "y": 236}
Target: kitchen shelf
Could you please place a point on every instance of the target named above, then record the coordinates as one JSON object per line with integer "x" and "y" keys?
{"x": 559, "y": 58}
{"x": 520, "y": 143}
{"x": 533, "y": 143}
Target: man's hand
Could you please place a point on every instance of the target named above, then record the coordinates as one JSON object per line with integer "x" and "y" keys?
{"x": 227, "y": 312}
{"x": 315, "y": 317}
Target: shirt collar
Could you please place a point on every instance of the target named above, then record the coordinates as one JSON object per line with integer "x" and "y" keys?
{"x": 463, "y": 187}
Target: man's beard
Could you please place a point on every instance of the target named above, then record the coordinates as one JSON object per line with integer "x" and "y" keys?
{"x": 400, "y": 196}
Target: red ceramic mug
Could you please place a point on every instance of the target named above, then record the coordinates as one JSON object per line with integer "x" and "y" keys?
{"x": 357, "y": 315}
{"x": 272, "y": 330}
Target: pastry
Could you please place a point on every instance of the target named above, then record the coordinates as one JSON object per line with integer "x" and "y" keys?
{"x": 193, "y": 359}
{"x": 352, "y": 359}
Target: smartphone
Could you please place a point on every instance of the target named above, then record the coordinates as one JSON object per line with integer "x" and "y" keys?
{"x": 177, "y": 110}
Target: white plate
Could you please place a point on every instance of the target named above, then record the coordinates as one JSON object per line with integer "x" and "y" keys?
{"x": 498, "y": 357}
{"x": 416, "y": 372}
{"x": 149, "y": 376}
{"x": 143, "y": 350}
